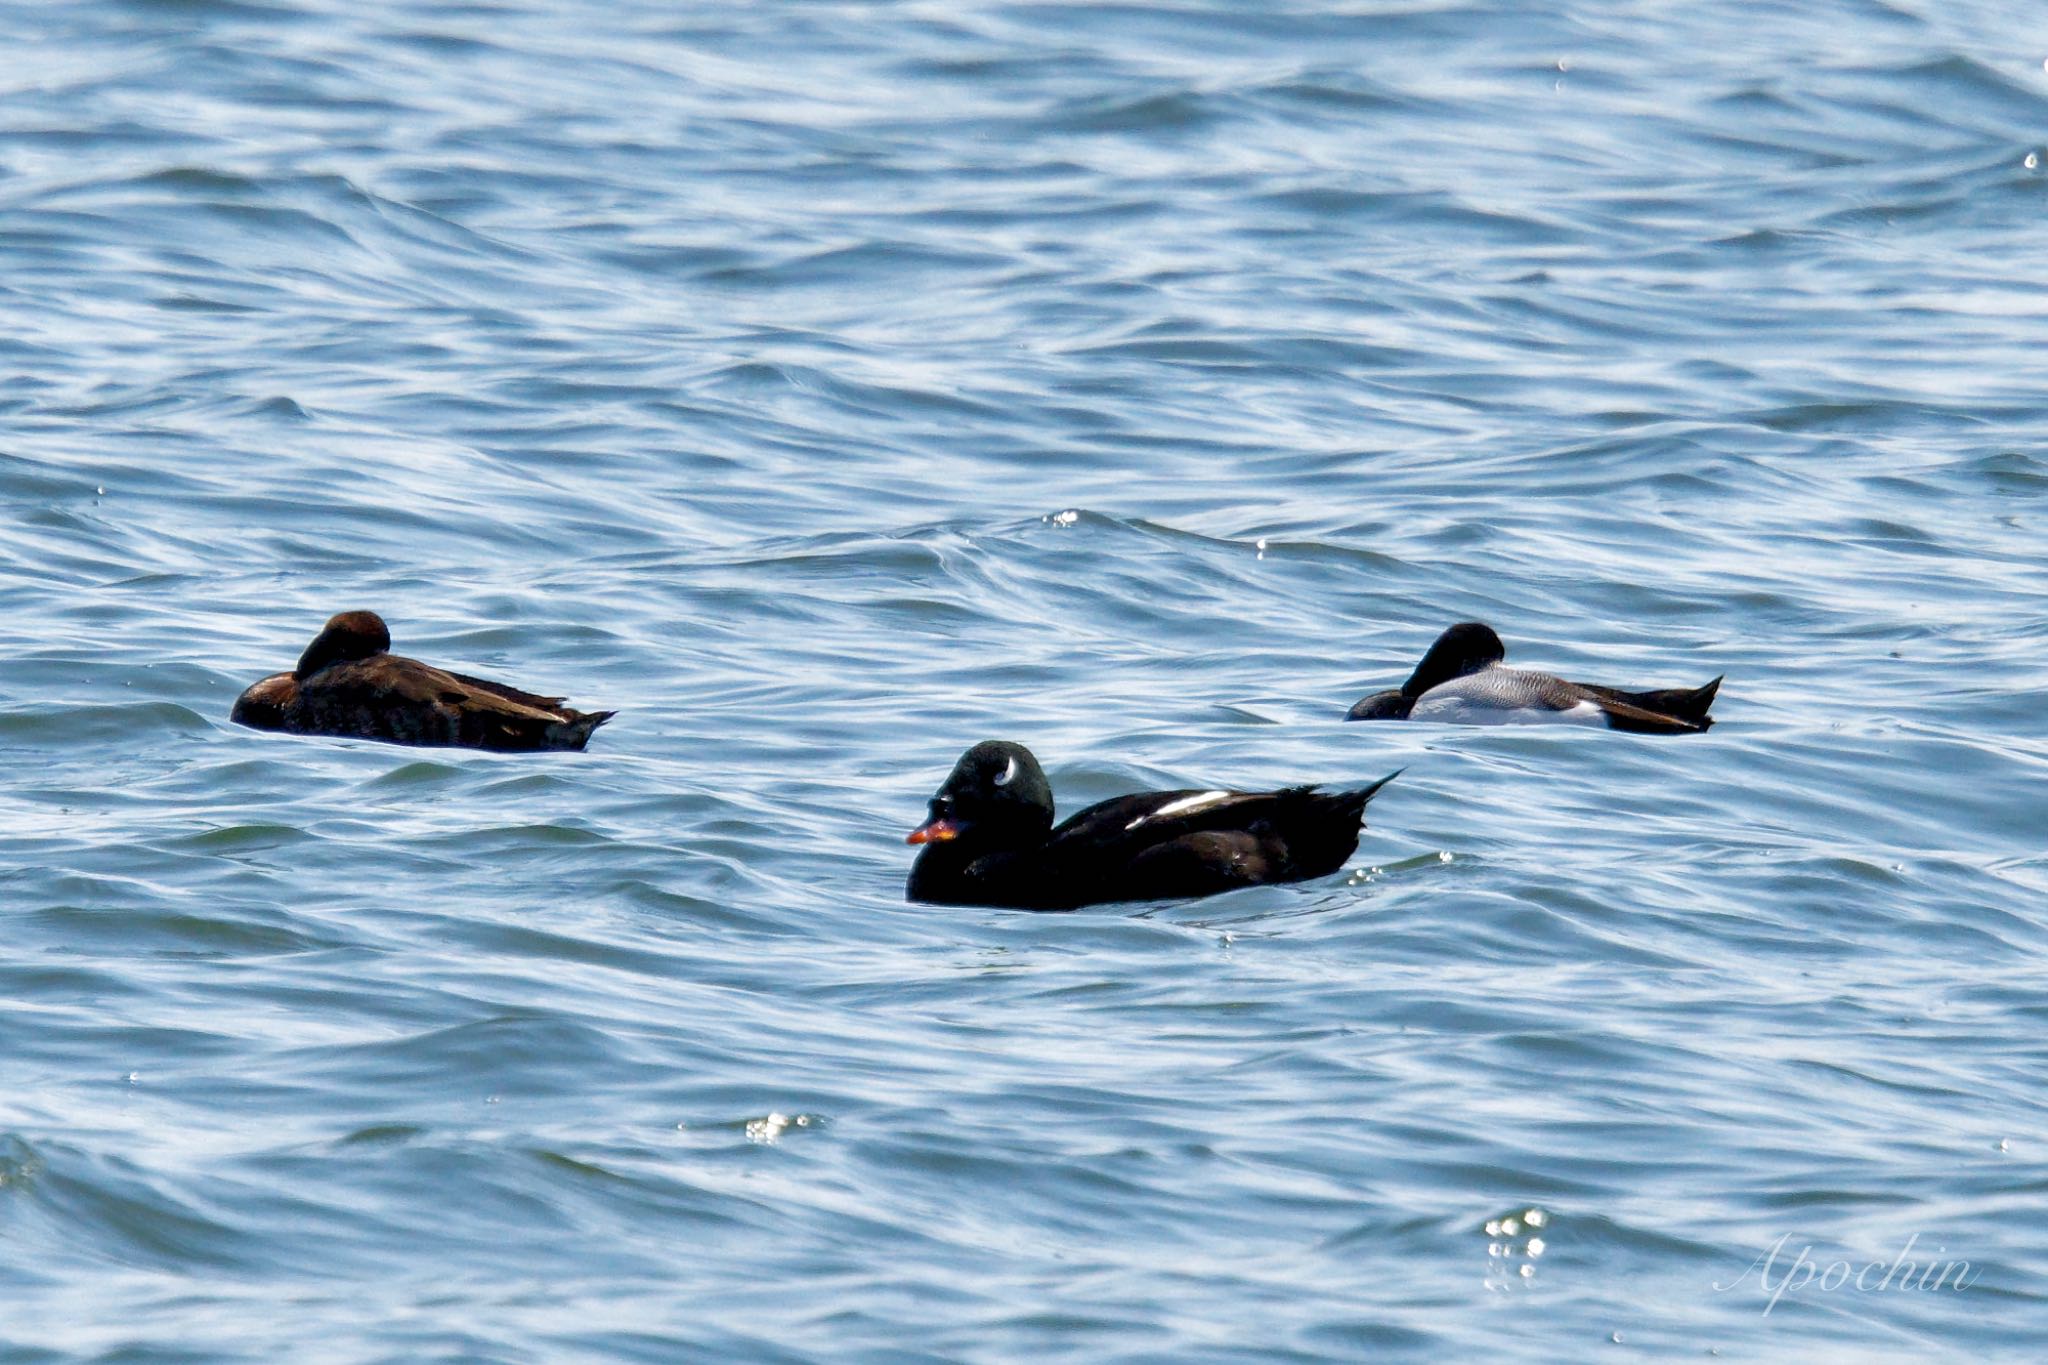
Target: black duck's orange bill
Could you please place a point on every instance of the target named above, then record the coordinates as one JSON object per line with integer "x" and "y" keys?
{"x": 933, "y": 832}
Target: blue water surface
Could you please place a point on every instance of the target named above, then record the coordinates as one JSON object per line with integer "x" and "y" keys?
{"x": 828, "y": 386}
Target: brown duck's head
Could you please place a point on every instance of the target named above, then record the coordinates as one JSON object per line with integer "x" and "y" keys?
{"x": 345, "y": 638}
{"x": 262, "y": 707}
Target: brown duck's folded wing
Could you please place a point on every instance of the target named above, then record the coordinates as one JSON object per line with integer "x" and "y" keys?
{"x": 405, "y": 701}
{"x": 513, "y": 694}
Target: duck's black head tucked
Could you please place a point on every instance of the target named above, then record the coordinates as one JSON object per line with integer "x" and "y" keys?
{"x": 1463, "y": 649}
{"x": 347, "y": 637}
{"x": 997, "y": 794}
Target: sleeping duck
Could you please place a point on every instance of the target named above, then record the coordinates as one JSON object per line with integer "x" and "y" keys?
{"x": 349, "y": 684}
{"x": 1463, "y": 681}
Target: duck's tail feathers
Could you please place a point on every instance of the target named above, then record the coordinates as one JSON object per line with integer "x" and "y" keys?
{"x": 1361, "y": 795}
{"x": 1323, "y": 834}
{"x": 1686, "y": 703}
{"x": 575, "y": 732}
{"x": 1348, "y": 805}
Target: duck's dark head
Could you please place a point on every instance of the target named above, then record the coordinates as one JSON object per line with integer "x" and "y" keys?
{"x": 997, "y": 795}
{"x": 1465, "y": 648}
{"x": 345, "y": 638}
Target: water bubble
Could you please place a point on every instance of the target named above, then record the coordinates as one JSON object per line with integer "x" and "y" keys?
{"x": 1511, "y": 1226}
{"x": 1616, "y": 1338}
{"x": 1535, "y": 1218}
{"x": 1527, "y": 1271}
{"x": 773, "y": 1125}
{"x": 1536, "y": 1246}
{"x": 1493, "y": 1227}
{"x": 1066, "y": 518}
{"x": 2004, "y": 1144}
{"x": 766, "y": 1130}
{"x": 2033, "y": 161}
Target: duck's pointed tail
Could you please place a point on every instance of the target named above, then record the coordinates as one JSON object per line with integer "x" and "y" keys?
{"x": 1322, "y": 833}
{"x": 1357, "y": 797}
{"x": 1686, "y": 703}
{"x": 575, "y": 732}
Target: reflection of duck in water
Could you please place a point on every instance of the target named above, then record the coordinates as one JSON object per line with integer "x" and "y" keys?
{"x": 1462, "y": 681}
{"x": 348, "y": 683}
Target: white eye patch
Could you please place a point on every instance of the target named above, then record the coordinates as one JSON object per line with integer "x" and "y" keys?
{"x": 1009, "y": 773}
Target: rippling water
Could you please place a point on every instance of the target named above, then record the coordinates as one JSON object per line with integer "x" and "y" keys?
{"x": 829, "y": 386}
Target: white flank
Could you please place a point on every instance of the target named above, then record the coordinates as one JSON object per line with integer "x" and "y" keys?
{"x": 1472, "y": 711}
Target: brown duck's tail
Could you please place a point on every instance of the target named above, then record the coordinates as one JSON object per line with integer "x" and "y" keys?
{"x": 575, "y": 732}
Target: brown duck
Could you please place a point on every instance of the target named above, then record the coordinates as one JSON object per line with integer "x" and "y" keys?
{"x": 348, "y": 683}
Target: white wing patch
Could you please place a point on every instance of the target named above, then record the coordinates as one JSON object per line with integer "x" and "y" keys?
{"x": 1187, "y": 805}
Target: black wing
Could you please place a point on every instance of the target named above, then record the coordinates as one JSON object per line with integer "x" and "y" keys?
{"x": 1143, "y": 818}
{"x": 1156, "y": 845}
